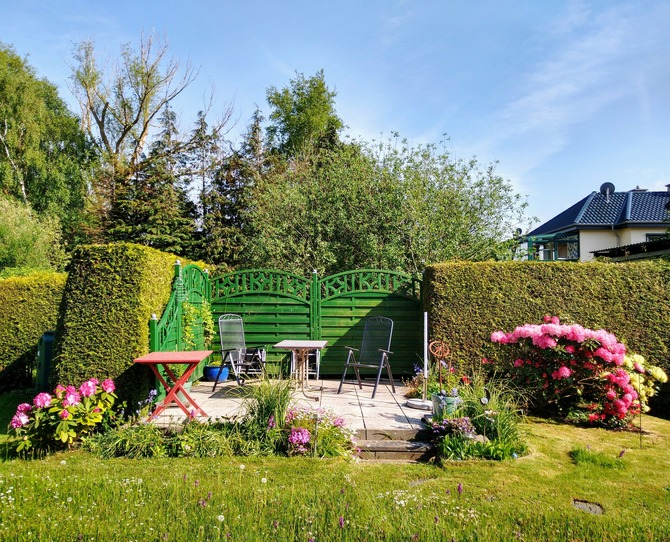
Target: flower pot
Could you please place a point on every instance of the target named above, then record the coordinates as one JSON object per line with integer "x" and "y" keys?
{"x": 444, "y": 405}
{"x": 210, "y": 371}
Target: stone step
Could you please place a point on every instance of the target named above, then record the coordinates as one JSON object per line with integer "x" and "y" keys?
{"x": 397, "y": 450}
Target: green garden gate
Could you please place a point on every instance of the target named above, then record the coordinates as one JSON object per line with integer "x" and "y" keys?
{"x": 277, "y": 305}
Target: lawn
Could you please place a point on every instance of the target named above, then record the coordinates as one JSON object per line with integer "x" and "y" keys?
{"x": 75, "y": 496}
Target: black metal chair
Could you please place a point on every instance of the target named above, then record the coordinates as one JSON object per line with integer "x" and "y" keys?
{"x": 374, "y": 352}
{"x": 243, "y": 360}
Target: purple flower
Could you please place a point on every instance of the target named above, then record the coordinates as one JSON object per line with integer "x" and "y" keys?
{"x": 341, "y": 522}
{"x": 460, "y": 488}
{"x": 271, "y": 422}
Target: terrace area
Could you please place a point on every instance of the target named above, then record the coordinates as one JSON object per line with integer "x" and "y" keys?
{"x": 386, "y": 412}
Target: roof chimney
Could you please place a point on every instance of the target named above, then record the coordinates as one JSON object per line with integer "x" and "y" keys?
{"x": 668, "y": 187}
{"x": 638, "y": 189}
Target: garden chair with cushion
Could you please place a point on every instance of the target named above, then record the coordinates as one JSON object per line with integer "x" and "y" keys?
{"x": 244, "y": 361}
{"x": 374, "y": 352}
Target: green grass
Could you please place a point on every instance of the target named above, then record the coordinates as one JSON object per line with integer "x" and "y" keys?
{"x": 75, "y": 496}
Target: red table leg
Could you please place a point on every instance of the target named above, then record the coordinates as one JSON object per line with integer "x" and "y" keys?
{"x": 177, "y": 386}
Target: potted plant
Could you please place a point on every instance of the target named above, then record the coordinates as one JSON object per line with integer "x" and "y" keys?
{"x": 212, "y": 370}
{"x": 444, "y": 403}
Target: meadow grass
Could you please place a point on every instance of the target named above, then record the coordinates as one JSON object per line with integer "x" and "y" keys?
{"x": 76, "y": 496}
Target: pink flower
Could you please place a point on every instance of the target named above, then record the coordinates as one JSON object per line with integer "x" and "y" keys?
{"x": 338, "y": 422}
{"x": 518, "y": 362}
{"x": 59, "y": 391}
{"x": 497, "y": 336}
{"x": 544, "y": 341}
{"x": 576, "y": 333}
{"x": 19, "y": 420}
{"x": 604, "y": 354}
{"x": 64, "y": 414}
{"x": 570, "y": 349}
{"x": 42, "y": 400}
{"x": 23, "y": 408}
{"x": 87, "y": 388}
{"x": 563, "y": 372}
{"x": 72, "y": 397}
{"x": 108, "y": 386}
{"x": 638, "y": 367}
{"x": 611, "y": 395}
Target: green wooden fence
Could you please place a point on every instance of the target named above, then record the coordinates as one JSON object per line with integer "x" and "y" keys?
{"x": 191, "y": 284}
{"x": 277, "y": 305}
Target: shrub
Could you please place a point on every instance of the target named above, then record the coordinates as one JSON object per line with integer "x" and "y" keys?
{"x": 26, "y": 240}
{"x": 55, "y": 422}
{"x": 110, "y": 294}
{"x": 28, "y": 308}
{"x": 466, "y": 300}
{"x": 571, "y": 369}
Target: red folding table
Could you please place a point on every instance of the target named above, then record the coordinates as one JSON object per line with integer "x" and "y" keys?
{"x": 165, "y": 359}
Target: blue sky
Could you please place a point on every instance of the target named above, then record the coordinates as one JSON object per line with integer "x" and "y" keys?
{"x": 563, "y": 95}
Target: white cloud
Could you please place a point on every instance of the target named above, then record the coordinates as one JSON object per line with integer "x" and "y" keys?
{"x": 593, "y": 61}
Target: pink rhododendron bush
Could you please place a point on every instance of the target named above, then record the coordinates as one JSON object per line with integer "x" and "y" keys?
{"x": 582, "y": 374}
{"x": 56, "y": 421}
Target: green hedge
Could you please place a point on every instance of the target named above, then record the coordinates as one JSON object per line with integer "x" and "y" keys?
{"x": 468, "y": 301}
{"x": 110, "y": 294}
{"x": 28, "y": 308}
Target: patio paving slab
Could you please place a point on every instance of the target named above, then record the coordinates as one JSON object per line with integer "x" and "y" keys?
{"x": 386, "y": 412}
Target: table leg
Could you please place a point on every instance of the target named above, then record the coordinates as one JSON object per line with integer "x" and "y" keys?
{"x": 177, "y": 386}
{"x": 302, "y": 359}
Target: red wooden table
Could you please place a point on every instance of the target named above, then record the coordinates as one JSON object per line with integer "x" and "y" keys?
{"x": 165, "y": 359}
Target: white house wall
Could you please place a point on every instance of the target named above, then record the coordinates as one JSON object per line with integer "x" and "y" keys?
{"x": 597, "y": 240}
{"x": 630, "y": 236}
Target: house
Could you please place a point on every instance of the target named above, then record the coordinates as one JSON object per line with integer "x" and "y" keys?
{"x": 602, "y": 220}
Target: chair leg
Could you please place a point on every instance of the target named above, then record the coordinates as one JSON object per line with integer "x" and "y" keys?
{"x": 344, "y": 375}
{"x": 388, "y": 370}
{"x": 379, "y": 375}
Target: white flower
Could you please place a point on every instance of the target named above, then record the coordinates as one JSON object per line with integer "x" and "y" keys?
{"x": 220, "y": 517}
{"x": 264, "y": 480}
{"x": 242, "y": 467}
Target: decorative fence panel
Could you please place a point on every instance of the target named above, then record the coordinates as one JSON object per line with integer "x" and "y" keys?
{"x": 277, "y": 305}
{"x": 191, "y": 284}
{"x": 346, "y": 299}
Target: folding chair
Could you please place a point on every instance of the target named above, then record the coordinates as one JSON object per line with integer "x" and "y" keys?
{"x": 243, "y": 360}
{"x": 373, "y": 353}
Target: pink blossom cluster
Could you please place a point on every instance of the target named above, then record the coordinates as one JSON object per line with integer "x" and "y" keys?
{"x": 67, "y": 396}
{"x": 549, "y": 335}
{"x": 569, "y": 362}
{"x": 298, "y": 439}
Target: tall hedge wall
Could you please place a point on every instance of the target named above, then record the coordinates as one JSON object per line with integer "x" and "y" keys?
{"x": 28, "y": 308}
{"x": 109, "y": 297}
{"x": 468, "y": 301}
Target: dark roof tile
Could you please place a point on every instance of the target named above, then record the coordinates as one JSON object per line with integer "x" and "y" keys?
{"x": 620, "y": 207}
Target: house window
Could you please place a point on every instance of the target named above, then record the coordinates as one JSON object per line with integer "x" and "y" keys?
{"x": 654, "y": 236}
{"x": 566, "y": 247}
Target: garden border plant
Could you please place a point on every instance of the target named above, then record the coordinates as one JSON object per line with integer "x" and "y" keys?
{"x": 578, "y": 373}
